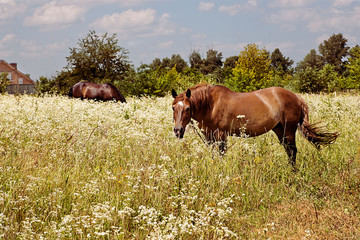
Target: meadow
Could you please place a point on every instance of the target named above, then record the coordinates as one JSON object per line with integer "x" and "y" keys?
{"x": 72, "y": 169}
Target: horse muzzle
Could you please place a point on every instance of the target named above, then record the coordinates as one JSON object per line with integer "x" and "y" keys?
{"x": 179, "y": 132}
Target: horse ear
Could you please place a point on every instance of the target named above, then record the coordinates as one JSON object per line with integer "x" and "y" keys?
{"x": 188, "y": 93}
{"x": 173, "y": 93}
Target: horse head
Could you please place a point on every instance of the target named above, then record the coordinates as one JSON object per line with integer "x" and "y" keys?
{"x": 182, "y": 112}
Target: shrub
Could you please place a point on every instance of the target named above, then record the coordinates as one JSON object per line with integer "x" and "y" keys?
{"x": 4, "y": 82}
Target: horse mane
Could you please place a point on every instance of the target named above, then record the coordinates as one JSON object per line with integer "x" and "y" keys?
{"x": 200, "y": 98}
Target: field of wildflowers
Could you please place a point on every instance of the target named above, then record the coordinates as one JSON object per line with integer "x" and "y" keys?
{"x": 72, "y": 169}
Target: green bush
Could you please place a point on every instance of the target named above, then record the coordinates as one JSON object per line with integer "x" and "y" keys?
{"x": 313, "y": 80}
{"x": 252, "y": 70}
{"x": 4, "y": 82}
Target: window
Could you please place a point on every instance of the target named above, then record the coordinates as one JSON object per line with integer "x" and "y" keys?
{"x": 21, "y": 81}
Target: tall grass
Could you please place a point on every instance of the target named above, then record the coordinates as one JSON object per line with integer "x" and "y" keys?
{"x": 72, "y": 169}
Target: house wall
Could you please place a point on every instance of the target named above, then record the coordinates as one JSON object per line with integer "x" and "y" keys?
{"x": 19, "y": 82}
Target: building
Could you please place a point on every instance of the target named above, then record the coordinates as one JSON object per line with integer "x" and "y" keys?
{"x": 18, "y": 81}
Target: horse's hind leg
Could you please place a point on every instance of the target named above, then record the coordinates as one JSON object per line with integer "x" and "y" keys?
{"x": 287, "y": 139}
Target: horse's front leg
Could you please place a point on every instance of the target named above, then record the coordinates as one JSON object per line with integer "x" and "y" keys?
{"x": 221, "y": 139}
{"x": 218, "y": 138}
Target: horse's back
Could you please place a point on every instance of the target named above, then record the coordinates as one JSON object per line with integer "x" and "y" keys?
{"x": 260, "y": 110}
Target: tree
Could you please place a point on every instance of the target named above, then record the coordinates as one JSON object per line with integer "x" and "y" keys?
{"x": 195, "y": 60}
{"x": 353, "y": 67}
{"x": 252, "y": 71}
{"x": 312, "y": 60}
{"x": 315, "y": 80}
{"x": 282, "y": 65}
{"x": 178, "y": 62}
{"x": 168, "y": 63}
{"x": 307, "y": 80}
{"x": 155, "y": 82}
{"x": 334, "y": 50}
{"x": 4, "y": 82}
{"x": 230, "y": 62}
{"x": 212, "y": 63}
{"x": 99, "y": 58}
{"x": 45, "y": 84}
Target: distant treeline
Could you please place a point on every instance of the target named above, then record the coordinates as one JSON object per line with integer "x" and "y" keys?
{"x": 99, "y": 58}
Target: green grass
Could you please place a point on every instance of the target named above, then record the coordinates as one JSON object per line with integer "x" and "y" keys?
{"x": 72, "y": 169}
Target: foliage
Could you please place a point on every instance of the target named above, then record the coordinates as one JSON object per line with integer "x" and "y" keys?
{"x": 75, "y": 169}
{"x": 333, "y": 51}
{"x": 101, "y": 59}
{"x": 175, "y": 61}
{"x": 210, "y": 65}
{"x": 353, "y": 67}
{"x": 327, "y": 71}
{"x": 230, "y": 62}
{"x": 315, "y": 80}
{"x": 96, "y": 59}
{"x": 195, "y": 60}
{"x": 280, "y": 64}
{"x": 191, "y": 77}
{"x": 252, "y": 71}
{"x": 311, "y": 60}
{"x": 156, "y": 83}
{"x": 4, "y": 82}
{"x": 329, "y": 77}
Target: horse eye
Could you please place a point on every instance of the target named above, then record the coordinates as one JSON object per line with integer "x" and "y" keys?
{"x": 187, "y": 109}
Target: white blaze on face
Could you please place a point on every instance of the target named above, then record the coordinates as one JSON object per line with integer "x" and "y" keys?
{"x": 181, "y": 104}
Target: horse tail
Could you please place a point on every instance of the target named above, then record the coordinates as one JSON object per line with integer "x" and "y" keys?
{"x": 313, "y": 132}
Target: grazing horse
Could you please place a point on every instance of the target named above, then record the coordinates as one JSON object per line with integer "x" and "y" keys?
{"x": 90, "y": 90}
{"x": 221, "y": 112}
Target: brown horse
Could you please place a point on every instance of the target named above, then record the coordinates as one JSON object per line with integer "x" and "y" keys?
{"x": 90, "y": 90}
{"x": 221, "y": 112}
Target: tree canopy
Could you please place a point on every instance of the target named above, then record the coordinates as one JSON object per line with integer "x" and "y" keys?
{"x": 280, "y": 63}
{"x": 99, "y": 58}
{"x": 333, "y": 51}
{"x": 252, "y": 70}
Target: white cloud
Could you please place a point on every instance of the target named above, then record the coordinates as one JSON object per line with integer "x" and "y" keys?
{"x": 5, "y": 50}
{"x": 92, "y": 3}
{"x": 9, "y": 9}
{"x": 290, "y": 3}
{"x": 342, "y": 3}
{"x": 135, "y": 23}
{"x": 128, "y": 19}
{"x": 6, "y": 39}
{"x": 206, "y": 6}
{"x": 336, "y": 21}
{"x": 316, "y": 19}
{"x": 232, "y": 10}
{"x": 53, "y": 15}
{"x": 291, "y": 18}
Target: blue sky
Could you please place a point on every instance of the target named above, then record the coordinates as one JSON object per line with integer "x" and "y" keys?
{"x": 37, "y": 34}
